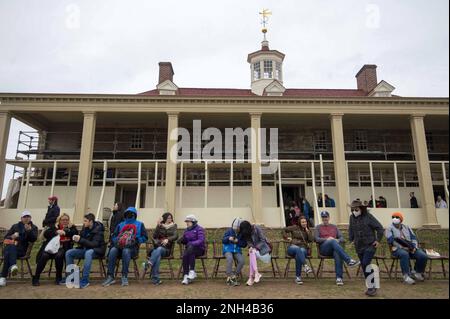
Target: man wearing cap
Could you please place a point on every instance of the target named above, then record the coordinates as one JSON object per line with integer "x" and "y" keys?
{"x": 52, "y": 212}
{"x": 194, "y": 240}
{"x": 16, "y": 244}
{"x": 329, "y": 238}
{"x": 366, "y": 232}
{"x": 404, "y": 245}
{"x": 126, "y": 240}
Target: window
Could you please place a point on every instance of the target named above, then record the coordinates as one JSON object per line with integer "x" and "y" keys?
{"x": 137, "y": 139}
{"x": 430, "y": 144}
{"x": 278, "y": 74}
{"x": 268, "y": 69}
{"x": 256, "y": 71}
{"x": 361, "y": 141}
{"x": 321, "y": 141}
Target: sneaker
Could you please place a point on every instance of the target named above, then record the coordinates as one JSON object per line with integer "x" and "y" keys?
{"x": 299, "y": 281}
{"x": 339, "y": 282}
{"x": 84, "y": 284}
{"x": 185, "y": 280}
{"x": 371, "y": 292}
{"x": 257, "y": 277}
{"x": 307, "y": 269}
{"x": 58, "y": 281}
{"x": 35, "y": 281}
{"x": 250, "y": 281}
{"x": 124, "y": 281}
{"x": 2, "y": 282}
{"x": 408, "y": 280}
{"x": 146, "y": 265}
{"x": 108, "y": 282}
{"x": 418, "y": 276}
{"x": 234, "y": 281}
{"x": 14, "y": 270}
{"x": 192, "y": 275}
{"x": 157, "y": 282}
{"x": 353, "y": 263}
{"x": 63, "y": 281}
{"x": 229, "y": 281}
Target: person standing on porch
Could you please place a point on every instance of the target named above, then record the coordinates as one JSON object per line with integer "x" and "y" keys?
{"x": 413, "y": 200}
{"x": 440, "y": 203}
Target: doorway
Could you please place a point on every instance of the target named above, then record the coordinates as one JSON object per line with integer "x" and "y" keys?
{"x": 127, "y": 193}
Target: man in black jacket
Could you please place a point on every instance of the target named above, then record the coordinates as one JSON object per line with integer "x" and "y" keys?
{"x": 92, "y": 245}
{"x": 366, "y": 232}
{"x": 16, "y": 244}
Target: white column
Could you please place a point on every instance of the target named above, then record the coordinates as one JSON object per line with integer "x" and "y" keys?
{"x": 423, "y": 170}
{"x": 171, "y": 163}
{"x": 5, "y": 124}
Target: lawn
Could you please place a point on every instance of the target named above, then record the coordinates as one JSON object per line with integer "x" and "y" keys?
{"x": 268, "y": 288}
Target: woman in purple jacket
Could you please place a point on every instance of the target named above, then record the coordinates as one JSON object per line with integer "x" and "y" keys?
{"x": 194, "y": 240}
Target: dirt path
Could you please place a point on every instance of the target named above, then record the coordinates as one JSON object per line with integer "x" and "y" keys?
{"x": 267, "y": 289}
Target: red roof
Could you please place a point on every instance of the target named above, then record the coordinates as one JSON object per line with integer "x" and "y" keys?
{"x": 300, "y": 93}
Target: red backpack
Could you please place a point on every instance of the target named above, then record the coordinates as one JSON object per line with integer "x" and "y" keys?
{"x": 127, "y": 236}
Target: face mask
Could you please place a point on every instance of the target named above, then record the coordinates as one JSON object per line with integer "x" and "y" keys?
{"x": 396, "y": 221}
{"x": 356, "y": 213}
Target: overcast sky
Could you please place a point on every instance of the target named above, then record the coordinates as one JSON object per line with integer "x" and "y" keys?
{"x": 94, "y": 46}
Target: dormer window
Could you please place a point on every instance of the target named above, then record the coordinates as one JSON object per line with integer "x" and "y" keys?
{"x": 256, "y": 71}
{"x": 268, "y": 69}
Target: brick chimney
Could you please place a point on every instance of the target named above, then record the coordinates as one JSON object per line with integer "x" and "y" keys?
{"x": 165, "y": 72}
{"x": 367, "y": 78}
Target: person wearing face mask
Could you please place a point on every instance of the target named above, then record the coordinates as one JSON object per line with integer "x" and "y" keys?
{"x": 404, "y": 245}
{"x": 366, "y": 232}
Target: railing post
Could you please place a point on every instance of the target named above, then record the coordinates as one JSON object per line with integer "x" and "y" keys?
{"x": 27, "y": 185}
{"x": 444, "y": 175}
{"x": 155, "y": 185}
{"x": 396, "y": 186}
{"x": 102, "y": 194}
{"x": 206, "y": 184}
{"x": 316, "y": 205}
{"x": 231, "y": 184}
{"x": 372, "y": 185}
{"x": 280, "y": 190}
{"x": 52, "y": 189}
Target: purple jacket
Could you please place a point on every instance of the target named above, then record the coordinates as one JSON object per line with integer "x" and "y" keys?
{"x": 194, "y": 237}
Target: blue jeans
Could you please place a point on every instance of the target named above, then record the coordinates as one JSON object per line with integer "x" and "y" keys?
{"x": 300, "y": 256}
{"x": 126, "y": 254}
{"x": 77, "y": 253}
{"x": 155, "y": 260}
{"x": 366, "y": 257}
{"x": 10, "y": 255}
{"x": 405, "y": 256}
{"x": 333, "y": 248}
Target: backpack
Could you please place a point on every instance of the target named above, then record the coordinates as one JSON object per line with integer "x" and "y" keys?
{"x": 127, "y": 236}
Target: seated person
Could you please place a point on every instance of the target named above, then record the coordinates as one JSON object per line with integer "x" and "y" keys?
{"x": 329, "y": 238}
{"x": 232, "y": 250}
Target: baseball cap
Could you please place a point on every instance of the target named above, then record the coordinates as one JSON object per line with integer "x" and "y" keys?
{"x": 25, "y": 213}
{"x": 324, "y": 214}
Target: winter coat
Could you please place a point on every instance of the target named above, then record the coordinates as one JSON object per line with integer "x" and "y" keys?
{"x": 141, "y": 232}
{"x": 25, "y": 237}
{"x": 51, "y": 216}
{"x": 169, "y": 233}
{"x": 93, "y": 238}
{"x": 50, "y": 233}
{"x": 116, "y": 218}
{"x": 404, "y": 232}
{"x": 259, "y": 241}
{"x": 194, "y": 236}
{"x": 364, "y": 230}
{"x": 300, "y": 237}
{"x": 231, "y": 247}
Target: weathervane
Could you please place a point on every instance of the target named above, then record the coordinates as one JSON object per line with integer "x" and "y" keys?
{"x": 265, "y": 20}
